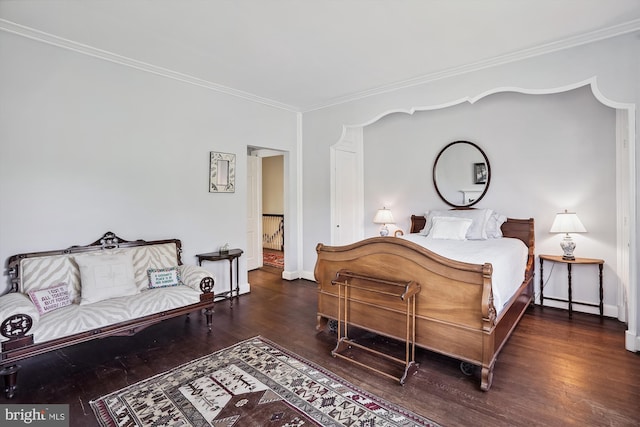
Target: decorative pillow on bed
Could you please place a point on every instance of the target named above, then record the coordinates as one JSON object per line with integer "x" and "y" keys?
{"x": 106, "y": 276}
{"x": 163, "y": 277}
{"x": 494, "y": 223}
{"x": 477, "y": 216}
{"x": 49, "y": 299}
{"x": 450, "y": 228}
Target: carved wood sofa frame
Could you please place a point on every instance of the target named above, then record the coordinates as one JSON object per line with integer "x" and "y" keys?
{"x": 20, "y": 344}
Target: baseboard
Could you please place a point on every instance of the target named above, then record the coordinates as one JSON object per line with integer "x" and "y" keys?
{"x": 290, "y": 275}
{"x": 632, "y": 342}
{"x": 245, "y": 288}
{"x": 308, "y": 275}
{"x": 295, "y": 275}
{"x": 608, "y": 309}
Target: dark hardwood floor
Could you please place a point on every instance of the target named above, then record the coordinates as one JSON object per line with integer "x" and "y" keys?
{"x": 553, "y": 371}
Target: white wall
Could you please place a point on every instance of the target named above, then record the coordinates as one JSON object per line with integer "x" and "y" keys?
{"x": 273, "y": 185}
{"x": 614, "y": 63}
{"x": 89, "y": 146}
{"x": 547, "y": 153}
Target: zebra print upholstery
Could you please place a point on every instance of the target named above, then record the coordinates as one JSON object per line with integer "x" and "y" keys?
{"x": 25, "y": 332}
{"x": 43, "y": 272}
{"x": 75, "y": 318}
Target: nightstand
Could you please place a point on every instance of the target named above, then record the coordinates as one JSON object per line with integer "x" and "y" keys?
{"x": 578, "y": 261}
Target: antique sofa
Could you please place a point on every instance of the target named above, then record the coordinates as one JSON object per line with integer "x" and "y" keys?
{"x": 109, "y": 287}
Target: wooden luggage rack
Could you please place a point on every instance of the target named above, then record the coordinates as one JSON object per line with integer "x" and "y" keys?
{"x": 377, "y": 296}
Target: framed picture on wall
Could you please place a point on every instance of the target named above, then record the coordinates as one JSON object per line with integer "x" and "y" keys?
{"x": 222, "y": 172}
{"x": 479, "y": 173}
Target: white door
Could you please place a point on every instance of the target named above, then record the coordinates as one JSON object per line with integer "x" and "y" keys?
{"x": 254, "y": 212}
{"x": 347, "y": 223}
{"x": 347, "y": 188}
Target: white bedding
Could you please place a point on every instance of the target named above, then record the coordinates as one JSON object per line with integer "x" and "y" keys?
{"x": 507, "y": 256}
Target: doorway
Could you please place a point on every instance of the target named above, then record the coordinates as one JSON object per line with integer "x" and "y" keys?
{"x": 266, "y": 207}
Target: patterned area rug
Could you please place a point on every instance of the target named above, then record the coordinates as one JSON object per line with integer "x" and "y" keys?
{"x": 273, "y": 259}
{"x": 253, "y": 383}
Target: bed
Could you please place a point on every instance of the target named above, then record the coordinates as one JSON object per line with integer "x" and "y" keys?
{"x": 455, "y": 310}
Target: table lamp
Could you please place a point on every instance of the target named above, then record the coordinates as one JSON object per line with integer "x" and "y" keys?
{"x": 567, "y": 222}
{"x": 383, "y": 216}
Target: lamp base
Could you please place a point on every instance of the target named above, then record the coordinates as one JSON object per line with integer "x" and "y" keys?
{"x": 568, "y": 245}
{"x": 384, "y": 230}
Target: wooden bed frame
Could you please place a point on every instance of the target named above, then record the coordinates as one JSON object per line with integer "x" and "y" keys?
{"x": 455, "y": 315}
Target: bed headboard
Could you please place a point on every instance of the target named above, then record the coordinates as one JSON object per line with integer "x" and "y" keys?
{"x": 417, "y": 223}
{"x": 522, "y": 229}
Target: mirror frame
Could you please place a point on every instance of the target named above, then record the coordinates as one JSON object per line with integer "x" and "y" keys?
{"x": 486, "y": 187}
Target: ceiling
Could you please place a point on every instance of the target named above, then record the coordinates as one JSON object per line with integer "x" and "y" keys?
{"x": 306, "y": 54}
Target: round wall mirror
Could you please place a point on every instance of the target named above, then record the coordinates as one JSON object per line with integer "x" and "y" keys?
{"x": 461, "y": 174}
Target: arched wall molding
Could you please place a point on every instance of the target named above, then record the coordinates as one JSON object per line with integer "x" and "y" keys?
{"x": 625, "y": 183}
{"x": 591, "y": 82}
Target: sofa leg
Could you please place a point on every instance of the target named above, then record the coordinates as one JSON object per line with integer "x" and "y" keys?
{"x": 209, "y": 313}
{"x": 10, "y": 375}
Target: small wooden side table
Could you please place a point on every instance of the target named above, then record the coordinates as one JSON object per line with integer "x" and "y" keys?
{"x": 558, "y": 258}
{"x": 230, "y": 255}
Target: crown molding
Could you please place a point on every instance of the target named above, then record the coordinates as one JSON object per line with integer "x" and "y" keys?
{"x": 594, "y": 36}
{"x": 41, "y": 36}
{"x": 591, "y": 37}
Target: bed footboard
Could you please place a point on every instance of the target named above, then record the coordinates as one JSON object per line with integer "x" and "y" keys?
{"x": 454, "y": 313}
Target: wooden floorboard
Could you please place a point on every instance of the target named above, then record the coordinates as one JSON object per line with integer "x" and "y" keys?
{"x": 553, "y": 371}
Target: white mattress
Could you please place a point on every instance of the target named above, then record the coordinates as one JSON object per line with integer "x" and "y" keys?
{"x": 507, "y": 256}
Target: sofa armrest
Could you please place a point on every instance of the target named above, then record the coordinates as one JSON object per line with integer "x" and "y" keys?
{"x": 196, "y": 277}
{"x": 17, "y": 316}
{"x": 17, "y": 303}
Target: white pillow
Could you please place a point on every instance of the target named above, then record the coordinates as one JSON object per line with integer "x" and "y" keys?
{"x": 479, "y": 219}
{"x": 163, "y": 277}
{"x": 49, "y": 299}
{"x": 450, "y": 228}
{"x": 494, "y": 223}
{"x": 105, "y": 276}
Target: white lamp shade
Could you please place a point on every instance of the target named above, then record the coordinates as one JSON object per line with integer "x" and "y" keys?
{"x": 383, "y": 216}
{"x": 567, "y": 222}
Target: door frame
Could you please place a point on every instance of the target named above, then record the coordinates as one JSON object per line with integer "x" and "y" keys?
{"x": 255, "y": 246}
{"x": 262, "y": 152}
